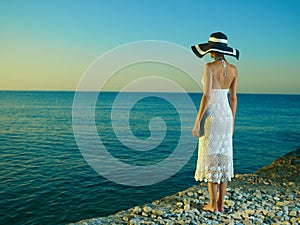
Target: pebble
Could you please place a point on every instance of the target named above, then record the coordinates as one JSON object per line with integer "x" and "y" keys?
{"x": 245, "y": 203}
{"x": 144, "y": 214}
{"x": 137, "y": 210}
{"x": 292, "y": 213}
{"x": 147, "y": 209}
{"x": 179, "y": 204}
{"x": 157, "y": 212}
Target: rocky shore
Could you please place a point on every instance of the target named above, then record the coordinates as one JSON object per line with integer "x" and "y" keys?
{"x": 269, "y": 196}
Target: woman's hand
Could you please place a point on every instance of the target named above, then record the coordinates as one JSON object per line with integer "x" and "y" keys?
{"x": 232, "y": 127}
{"x": 195, "y": 132}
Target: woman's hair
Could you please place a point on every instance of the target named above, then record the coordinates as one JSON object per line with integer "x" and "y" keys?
{"x": 217, "y": 54}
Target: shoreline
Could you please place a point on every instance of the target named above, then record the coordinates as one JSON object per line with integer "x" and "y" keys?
{"x": 268, "y": 196}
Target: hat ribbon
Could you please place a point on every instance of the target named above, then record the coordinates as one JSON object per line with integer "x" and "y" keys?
{"x": 213, "y": 39}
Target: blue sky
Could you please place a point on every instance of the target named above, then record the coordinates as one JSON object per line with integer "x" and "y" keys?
{"x": 47, "y": 45}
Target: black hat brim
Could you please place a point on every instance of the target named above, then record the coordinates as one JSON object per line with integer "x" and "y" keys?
{"x": 202, "y": 49}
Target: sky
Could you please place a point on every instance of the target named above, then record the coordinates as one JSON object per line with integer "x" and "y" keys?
{"x": 48, "y": 45}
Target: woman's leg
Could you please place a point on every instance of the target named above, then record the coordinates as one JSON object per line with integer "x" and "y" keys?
{"x": 222, "y": 192}
{"x": 212, "y": 206}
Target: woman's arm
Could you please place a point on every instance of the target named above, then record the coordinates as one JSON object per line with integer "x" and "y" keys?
{"x": 202, "y": 109}
{"x": 233, "y": 98}
{"x": 204, "y": 101}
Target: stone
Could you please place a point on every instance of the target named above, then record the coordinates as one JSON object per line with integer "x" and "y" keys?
{"x": 264, "y": 212}
{"x": 125, "y": 218}
{"x": 291, "y": 196}
{"x": 272, "y": 214}
{"x": 206, "y": 194}
{"x": 144, "y": 214}
{"x": 137, "y": 210}
{"x": 229, "y": 203}
{"x": 244, "y": 215}
{"x": 193, "y": 222}
{"x": 286, "y": 218}
{"x": 147, "y": 209}
{"x": 259, "y": 220}
{"x": 134, "y": 222}
{"x": 285, "y": 210}
{"x": 264, "y": 203}
{"x": 293, "y": 220}
{"x": 179, "y": 204}
{"x": 276, "y": 198}
{"x": 257, "y": 194}
{"x": 190, "y": 194}
{"x": 236, "y": 216}
{"x": 178, "y": 211}
{"x": 279, "y": 213}
{"x": 293, "y": 213}
{"x": 280, "y": 204}
{"x": 244, "y": 206}
{"x": 186, "y": 205}
{"x": 268, "y": 220}
{"x": 249, "y": 211}
{"x": 157, "y": 212}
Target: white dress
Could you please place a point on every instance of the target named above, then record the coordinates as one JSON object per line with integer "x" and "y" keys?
{"x": 215, "y": 161}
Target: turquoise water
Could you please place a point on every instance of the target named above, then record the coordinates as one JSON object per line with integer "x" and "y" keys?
{"x": 46, "y": 180}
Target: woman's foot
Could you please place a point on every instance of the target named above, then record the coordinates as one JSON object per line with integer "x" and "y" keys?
{"x": 209, "y": 207}
{"x": 221, "y": 209}
{"x": 220, "y": 206}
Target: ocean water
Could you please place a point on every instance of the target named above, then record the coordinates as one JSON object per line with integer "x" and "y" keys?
{"x": 46, "y": 180}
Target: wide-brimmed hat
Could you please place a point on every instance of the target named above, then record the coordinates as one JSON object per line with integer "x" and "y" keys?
{"x": 217, "y": 43}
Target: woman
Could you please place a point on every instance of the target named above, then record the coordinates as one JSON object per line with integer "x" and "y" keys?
{"x": 215, "y": 120}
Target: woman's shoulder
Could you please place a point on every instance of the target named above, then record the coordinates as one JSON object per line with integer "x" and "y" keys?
{"x": 231, "y": 65}
{"x": 211, "y": 64}
{"x": 233, "y": 68}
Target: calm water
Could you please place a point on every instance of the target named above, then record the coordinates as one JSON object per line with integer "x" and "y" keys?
{"x": 45, "y": 179}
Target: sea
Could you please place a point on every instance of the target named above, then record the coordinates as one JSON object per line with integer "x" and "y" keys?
{"x": 47, "y": 173}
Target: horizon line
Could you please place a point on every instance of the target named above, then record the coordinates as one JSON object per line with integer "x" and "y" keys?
{"x": 115, "y": 91}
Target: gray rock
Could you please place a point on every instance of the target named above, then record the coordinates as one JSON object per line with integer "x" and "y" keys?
{"x": 137, "y": 210}
{"x": 144, "y": 214}
{"x": 229, "y": 203}
{"x": 257, "y": 194}
{"x": 279, "y": 213}
{"x": 179, "y": 204}
{"x": 292, "y": 213}
{"x": 236, "y": 216}
{"x": 268, "y": 220}
{"x": 157, "y": 212}
{"x": 147, "y": 209}
{"x": 259, "y": 220}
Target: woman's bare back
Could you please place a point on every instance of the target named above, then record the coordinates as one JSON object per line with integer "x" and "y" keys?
{"x": 221, "y": 80}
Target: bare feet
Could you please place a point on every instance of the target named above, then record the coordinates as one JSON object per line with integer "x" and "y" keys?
{"x": 221, "y": 209}
{"x": 209, "y": 207}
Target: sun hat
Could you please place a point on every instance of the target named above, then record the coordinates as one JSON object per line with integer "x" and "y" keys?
{"x": 217, "y": 43}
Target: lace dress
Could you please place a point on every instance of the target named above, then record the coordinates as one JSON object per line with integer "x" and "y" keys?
{"x": 215, "y": 162}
